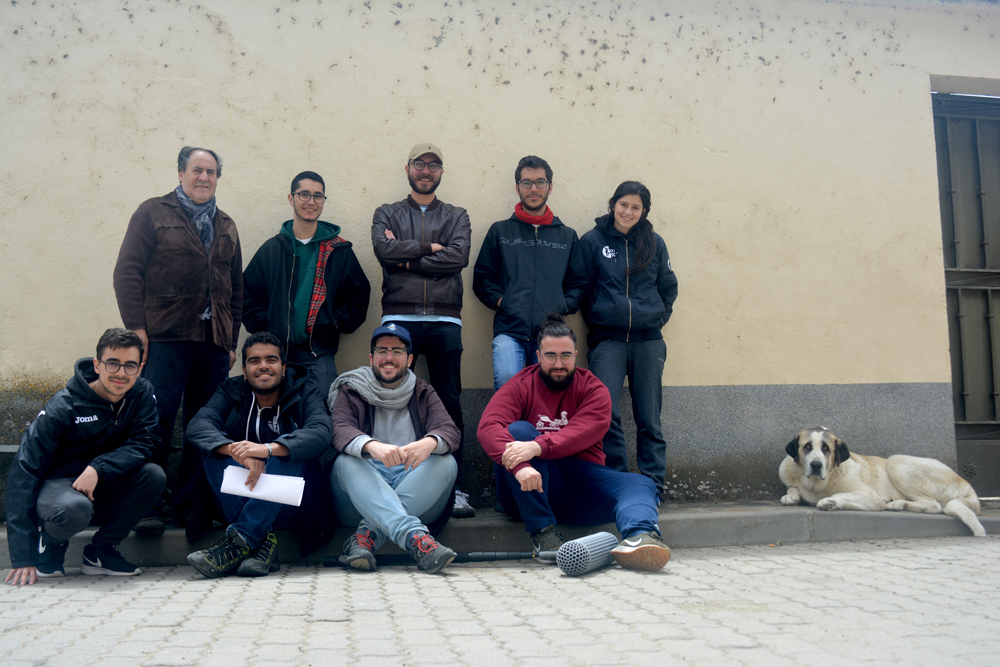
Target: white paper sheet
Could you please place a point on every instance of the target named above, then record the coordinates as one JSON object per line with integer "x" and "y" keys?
{"x": 283, "y": 489}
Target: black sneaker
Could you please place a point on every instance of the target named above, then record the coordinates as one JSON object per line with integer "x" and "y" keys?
{"x": 645, "y": 551}
{"x": 106, "y": 560}
{"x": 51, "y": 558}
{"x": 262, "y": 560}
{"x": 149, "y": 526}
{"x": 546, "y": 541}
{"x": 225, "y": 555}
{"x": 359, "y": 552}
{"x": 429, "y": 554}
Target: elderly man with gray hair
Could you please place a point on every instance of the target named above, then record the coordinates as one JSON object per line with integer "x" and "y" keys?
{"x": 179, "y": 286}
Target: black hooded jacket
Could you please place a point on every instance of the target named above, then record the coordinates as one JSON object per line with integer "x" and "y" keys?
{"x": 76, "y": 429}
{"x": 534, "y": 268}
{"x": 617, "y": 306}
{"x": 302, "y": 417}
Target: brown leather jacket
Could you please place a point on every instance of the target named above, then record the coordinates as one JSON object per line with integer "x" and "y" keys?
{"x": 163, "y": 277}
{"x": 433, "y": 283}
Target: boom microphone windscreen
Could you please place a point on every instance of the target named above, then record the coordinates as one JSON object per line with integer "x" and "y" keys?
{"x": 588, "y": 553}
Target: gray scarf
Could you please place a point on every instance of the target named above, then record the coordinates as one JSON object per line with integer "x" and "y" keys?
{"x": 363, "y": 381}
{"x": 202, "y": 216}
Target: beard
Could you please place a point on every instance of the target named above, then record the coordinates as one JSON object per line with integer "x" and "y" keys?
{"x": 539, "y": 209}
{"x": 554, "y": 384}
{"x": 400, "y": 374}
{"x": 414, "y": 183}
{"x": 262, "y": 390}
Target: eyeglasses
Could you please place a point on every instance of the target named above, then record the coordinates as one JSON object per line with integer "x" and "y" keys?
{"x": 549, "y": 358}
{"x": 112, "y": 366}
{"x": 433, "y": 167}
{"x": 305, "y": 196}
{"x": 541, "y": 184}
{"x": 397, "y": 352}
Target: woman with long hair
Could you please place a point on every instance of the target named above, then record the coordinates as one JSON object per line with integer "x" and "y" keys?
{"x": 630, "y": 297}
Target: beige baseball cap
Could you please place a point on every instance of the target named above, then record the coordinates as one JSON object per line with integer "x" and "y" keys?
{"x": 420, "y": 149}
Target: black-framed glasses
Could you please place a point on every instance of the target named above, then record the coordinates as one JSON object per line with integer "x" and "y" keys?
{"x": 433, "y": 167}
{"x": 305, "y": 196}
{"x": 113, "y": 365}
{"x": 397, "y": 352}
{"x": 541, "y": 184}
{"x": 550, "y": 357}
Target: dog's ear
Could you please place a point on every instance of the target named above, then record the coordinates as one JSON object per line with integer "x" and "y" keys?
{"x": 841, "y": 453}
{"x": 793, "y": 449}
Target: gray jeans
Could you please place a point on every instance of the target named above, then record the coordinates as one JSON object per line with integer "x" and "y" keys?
{"x": 118, "y": 505}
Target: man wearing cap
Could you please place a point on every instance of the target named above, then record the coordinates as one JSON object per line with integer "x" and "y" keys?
{"x": 423, "y": 245}
{"x": 395, "y": 473}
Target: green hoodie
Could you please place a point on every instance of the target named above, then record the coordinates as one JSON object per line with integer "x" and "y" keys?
{"x": 306, "y": 255}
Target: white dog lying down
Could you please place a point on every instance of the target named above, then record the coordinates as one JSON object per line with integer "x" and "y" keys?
{"x": 820, "y": 470}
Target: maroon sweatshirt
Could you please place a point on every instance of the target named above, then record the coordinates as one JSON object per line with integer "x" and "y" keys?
{"x": 572, "y": 422}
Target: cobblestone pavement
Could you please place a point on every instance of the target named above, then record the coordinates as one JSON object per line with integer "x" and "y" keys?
{"x": 890, "y": 602}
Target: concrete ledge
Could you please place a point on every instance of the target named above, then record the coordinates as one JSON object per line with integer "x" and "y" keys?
{"x": 684, "y": 526}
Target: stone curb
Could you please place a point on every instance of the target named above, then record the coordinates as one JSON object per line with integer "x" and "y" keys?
{"x": 684, "y": 526}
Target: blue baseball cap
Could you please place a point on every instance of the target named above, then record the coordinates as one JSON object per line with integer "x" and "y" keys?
{"x": 392, "y": 329}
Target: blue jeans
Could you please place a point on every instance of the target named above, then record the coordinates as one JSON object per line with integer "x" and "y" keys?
{"x": 252, "y": 517}
{"x": 391, "y": 502}
{"x": 510, "y": 355}
{"x": 642, "y": 362}
{"x": 578, "y": 493}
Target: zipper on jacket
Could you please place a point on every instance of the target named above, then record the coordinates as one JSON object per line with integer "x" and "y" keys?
{"x": 288, "y": 313}
{"x": 534, "y": 274}
{"x": 422, "y": 215}
{"x": 628, "y": 296}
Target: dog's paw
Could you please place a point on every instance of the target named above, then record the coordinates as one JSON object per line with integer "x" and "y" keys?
{"x": 789, "y": 499}
{"x": 896, "y": 505}
{"x": 828, "y": 504}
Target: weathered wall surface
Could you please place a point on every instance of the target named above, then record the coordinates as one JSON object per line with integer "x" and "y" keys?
{"x": 788, "y": 146}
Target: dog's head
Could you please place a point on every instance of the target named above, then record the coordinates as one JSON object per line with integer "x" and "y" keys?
{"x": 817, "y": 450}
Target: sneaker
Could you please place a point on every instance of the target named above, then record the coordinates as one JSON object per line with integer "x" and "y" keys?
{"x": 225, "y": 555}
{"x": 106, "y": 560}
{"x": 462, "y": 508}
{"x": 262, "y": 560}
{"x": 51, "y": 558}
{"x": 546, "y": 541}
{"x": 359, "y": 552}
{"x": 429, "y": 554}
{"x": 645, "y": 551}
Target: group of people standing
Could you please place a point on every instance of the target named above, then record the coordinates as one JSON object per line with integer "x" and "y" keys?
{"x": 101, "y": 445}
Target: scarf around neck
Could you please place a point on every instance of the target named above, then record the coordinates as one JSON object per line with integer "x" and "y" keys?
{"x": 202, "y": 216}
{"x": 543, "y": 219}
{"x": 363, "y": 381}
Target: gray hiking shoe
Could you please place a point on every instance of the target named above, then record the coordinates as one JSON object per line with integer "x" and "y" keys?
{"x": 546, "y": 540}
{"x": 263, "y": 560}
{"x": 429, "y": 554}
{"x": 359, "y": 552}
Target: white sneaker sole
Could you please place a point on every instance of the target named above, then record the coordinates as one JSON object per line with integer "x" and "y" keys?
{"x": 92, "y": 569}
{"x": 646, "y": 558}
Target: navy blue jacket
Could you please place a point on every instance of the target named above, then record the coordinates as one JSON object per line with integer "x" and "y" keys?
{"x": 536, "y": 269}
{"x": 617, "y": 306}
{"x": 76, "y": 429}
{"x": 302, "y": 417}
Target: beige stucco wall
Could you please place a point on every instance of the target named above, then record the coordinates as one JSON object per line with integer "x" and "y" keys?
{"x": 788, "y": 146}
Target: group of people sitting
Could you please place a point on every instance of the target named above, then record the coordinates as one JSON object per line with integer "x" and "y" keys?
{"x": 97, "y": 452}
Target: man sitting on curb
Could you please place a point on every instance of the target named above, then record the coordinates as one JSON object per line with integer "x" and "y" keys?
{"x": 86, "y": 456}
{"x": 270, "y": 420}
{"x": 396, "y": 472}
{"x": 543, "y": 428}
